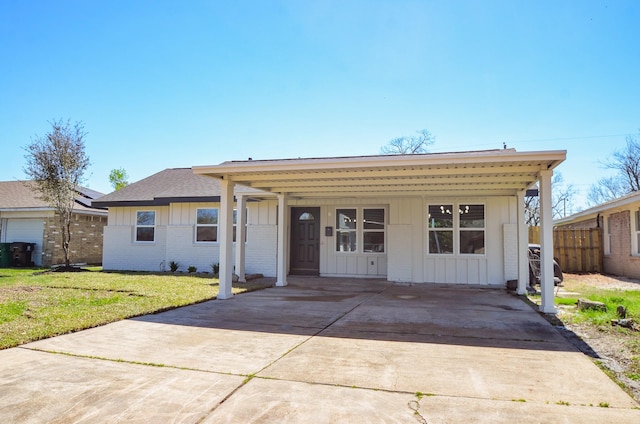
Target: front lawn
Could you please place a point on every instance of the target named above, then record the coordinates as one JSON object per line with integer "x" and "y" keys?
{"x": 36, "y": 304}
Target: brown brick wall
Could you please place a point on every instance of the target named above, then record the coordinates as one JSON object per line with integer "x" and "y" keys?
{"x": 86, "y": 240}
{"x": 621, "y": 261}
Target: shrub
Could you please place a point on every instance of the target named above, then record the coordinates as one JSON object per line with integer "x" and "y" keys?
{"x": 192, "y": 269}
{"x": 173, "y": 266}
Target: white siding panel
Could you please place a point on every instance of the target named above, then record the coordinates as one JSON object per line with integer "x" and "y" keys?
{"x": 28, "y": 230}
{"x": 451, "y": 271}
{"x": 430, "y": 275}
{"x": 510, "y": 251}
{"x": 362, "y": 265}
{"x": 400, "y": 259}
{"x": 382, "y": 265}
{"x": 462, "y": 271}
{"x": 352, "y": 265}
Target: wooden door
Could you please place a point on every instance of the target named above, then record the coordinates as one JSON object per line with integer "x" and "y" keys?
{"x": 305, "y": 241}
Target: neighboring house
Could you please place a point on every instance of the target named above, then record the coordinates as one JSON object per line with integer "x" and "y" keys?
{"x": 432, "y": 218}
{"x": 24, "y": 217}
{"x": 620, "y": 223}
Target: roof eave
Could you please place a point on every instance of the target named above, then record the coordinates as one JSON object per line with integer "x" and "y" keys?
{"x": 553, "y": 157}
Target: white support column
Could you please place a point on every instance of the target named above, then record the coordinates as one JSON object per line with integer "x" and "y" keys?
{"x": 523, "y": 246}
{"x": 546, "y": 244}
{"x": 282, "y": 233}
{"x": 241, "y": 231}
{"x": 225, "y": 226}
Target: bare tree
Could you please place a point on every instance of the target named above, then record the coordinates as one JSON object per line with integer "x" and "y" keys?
{"x": 561, "y": 201}
{"x": 409, "y": 145}
{"x": 626, "y": 163}
{"x": 606, "y": 189}
{"x": 118, "y": 178}
{"x": 55, "y": 164}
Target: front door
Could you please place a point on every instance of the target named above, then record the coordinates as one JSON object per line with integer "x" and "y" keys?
{"x": 305, "y": 241}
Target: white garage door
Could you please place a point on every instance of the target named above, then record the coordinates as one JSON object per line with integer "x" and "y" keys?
{"x": 28, "y": 230}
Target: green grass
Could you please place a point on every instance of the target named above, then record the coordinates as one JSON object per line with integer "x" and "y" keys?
{"x": 612, "y": 298}
{"x": 630, "y": 299}
{"x": 36, "y": 304}
{"x": 601, "y": 320}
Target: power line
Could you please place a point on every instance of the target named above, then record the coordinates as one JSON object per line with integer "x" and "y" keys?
{"x": 567, "y": 138}
{"x": 509, "y": 143}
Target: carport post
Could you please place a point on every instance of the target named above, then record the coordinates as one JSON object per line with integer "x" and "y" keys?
{"x": 546, "y": 244}
{"x": 241, "y": 214}
{"x": 523, "y": 249}
{"x": 282, "y": 232}
{"x": 225, "y": 275}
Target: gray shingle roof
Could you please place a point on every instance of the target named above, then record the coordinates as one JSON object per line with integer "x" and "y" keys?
{"x": 18, "y": 195}
{"x": 170, "y": 185}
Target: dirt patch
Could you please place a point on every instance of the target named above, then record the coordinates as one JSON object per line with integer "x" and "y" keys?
{"x": 610, "y": 347}
{"x": 12, "y": 293}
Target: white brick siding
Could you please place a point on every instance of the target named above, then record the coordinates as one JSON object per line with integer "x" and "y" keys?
{"x": 177, "y": 243}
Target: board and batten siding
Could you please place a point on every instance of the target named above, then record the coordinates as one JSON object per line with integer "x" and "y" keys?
{"x": 345, "y": 264}
{"x": 407, "y": 235}
{"x": 175, "y": 239}
{"x": 405, "y": 259}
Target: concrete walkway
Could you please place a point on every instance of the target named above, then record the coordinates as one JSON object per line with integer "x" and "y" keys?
{"x": 319, "y": 350}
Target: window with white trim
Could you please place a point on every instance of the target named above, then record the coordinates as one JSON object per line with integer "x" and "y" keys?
{"x": 472, "y": 229}
{"x": 373, "y": 230}
{"x": 145, "y": 226}
{"x": 463, "y": 232}
{"x": 346, "y": 230}
{"x": 367, "y": 237}
{"x": 440, "y": 229}
{"x": 206, "y": 225}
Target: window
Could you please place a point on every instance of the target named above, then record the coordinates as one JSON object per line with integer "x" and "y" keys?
{"x": 346, "y": 230}
{"x": 370, "y": 235}
{"x": 306, "y": 216}
{"x": 440, "y": 229}
{"x": 207, "y": 225}
{"x": 471, "y": 229}
{"x": 145, "y": 226}
{"x": 468, "y": 224}
{"x": 373, "y": 230}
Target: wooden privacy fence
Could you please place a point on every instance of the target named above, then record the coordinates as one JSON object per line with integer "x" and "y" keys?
{"x": 575, "y": 249}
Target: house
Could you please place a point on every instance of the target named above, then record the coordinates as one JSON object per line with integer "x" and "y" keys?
{"x": 173, "y": 216}
{"x": 454, "y": 218}
{"x": 619, "y": 220}
{"x": 24, "y": 217}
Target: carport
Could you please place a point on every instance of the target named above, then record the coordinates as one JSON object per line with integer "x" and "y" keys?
{"x": 401, "y": 182}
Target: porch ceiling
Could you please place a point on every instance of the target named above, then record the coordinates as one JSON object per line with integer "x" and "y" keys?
{"x": 479, "y": 173}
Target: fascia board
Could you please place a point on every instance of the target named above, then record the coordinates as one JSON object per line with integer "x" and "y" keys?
{"x": 555, "y": 157}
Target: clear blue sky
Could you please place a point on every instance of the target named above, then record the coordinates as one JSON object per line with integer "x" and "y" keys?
{"x": 175, "y": 84}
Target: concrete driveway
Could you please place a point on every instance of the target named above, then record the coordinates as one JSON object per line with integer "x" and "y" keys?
{"x": 319, "y": 350}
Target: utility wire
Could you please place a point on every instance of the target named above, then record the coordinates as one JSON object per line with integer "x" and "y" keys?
{"x": 510, "y": 143}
